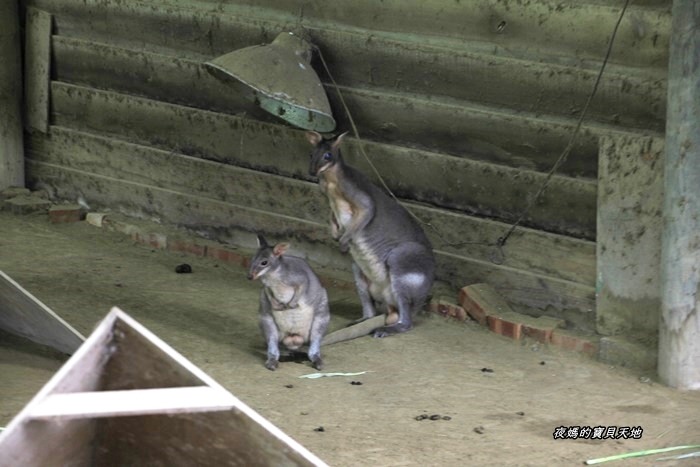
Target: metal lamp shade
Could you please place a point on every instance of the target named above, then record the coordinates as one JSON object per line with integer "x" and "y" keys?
{"x": 282, "y": 80}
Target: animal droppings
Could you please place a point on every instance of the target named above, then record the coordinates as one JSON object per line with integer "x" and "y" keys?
{"x": 183, "y": 268}
{"x": 432, "y": 417}
{"x": 487, "y": 370}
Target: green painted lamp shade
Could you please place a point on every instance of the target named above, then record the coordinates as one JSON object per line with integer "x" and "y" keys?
{"x": 282, "y": 80}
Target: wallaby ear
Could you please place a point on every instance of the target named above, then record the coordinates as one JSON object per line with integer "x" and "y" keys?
{"x": 280, "y": 249}
{"x": 338, "y": 139}
{"x": 314, "y": 138}
{"x": 261, "y": 241}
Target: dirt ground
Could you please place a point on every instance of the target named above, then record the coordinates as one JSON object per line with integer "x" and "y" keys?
{"x": 504, "y": 417}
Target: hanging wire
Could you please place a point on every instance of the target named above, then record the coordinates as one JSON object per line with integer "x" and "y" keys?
{"x": 498, "y": 255}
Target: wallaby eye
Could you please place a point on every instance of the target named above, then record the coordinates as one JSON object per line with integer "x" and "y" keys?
{"x": 327, "y": 156}
{"x": 263, "y": 263}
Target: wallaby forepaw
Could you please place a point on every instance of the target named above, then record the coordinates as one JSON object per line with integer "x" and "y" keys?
{"x": 272, "y": 364}
{"x": 317, "y": 363}
{"x": 386, "y": 331}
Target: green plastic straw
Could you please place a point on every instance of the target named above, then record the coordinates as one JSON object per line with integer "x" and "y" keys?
{"x": 648, "y": 452}
{"x": 682, "y": 456}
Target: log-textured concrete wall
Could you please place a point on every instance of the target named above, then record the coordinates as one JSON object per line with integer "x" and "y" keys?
{"x": 464, "y": 106}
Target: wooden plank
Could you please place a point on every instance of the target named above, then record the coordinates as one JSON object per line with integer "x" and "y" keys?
{"x": 235, "y": 434}
{"x": 60, "y": 444}
{"x": 571, "y": 29}
{"x": 516, "y": 139}
{"x": 625, "y": 97}
{"x": 159, "y": 77}
{"x": 132, "y": 402}
{"x": 539, "y": 252}
{"x": 37, "y": 69}
{"x": 567, "y": 206}
{"x": 574, "y": 29}
{"x": 23, "y": 314}
{"x": 222, "y": 220}
{"x": 11, "y": 137}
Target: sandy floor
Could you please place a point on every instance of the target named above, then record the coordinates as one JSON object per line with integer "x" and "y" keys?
{"x": 504, "y": 417}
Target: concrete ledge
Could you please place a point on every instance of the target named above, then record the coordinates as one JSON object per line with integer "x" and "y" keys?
{"x": 620, "y": 351}
{"x": 486, "y": 306}
{"x": 479, "y": 301}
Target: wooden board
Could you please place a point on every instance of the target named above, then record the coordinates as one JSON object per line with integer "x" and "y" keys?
{"x": 186, "y": 419}
{"x": 525, "y": 140}
{"x": 457, "y": 233}
{"x": 37, "y": 69}
{"x": 567, "y": 206}
{"x": 467, "y": 72}
{"x": 23, "y": 314}
{"x": 202, "y": 214}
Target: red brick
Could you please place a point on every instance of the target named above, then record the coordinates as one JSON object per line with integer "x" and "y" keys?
{"x": 187, "y": 246}
{"x": 154, "y": 240}
{"x": 64, "y": 213}
{"x": 221, "y": 253}
{"x": 481, "y": 301}
{"x": 541, "y": 328}
{"x": 570, "y": 341}
{"x": 447, "y": 309}
{"x": 506, "y": 326}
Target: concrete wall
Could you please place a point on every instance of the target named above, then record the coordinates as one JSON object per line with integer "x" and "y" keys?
{"x": 464, "y": 106}
{"x": 630, "y": 224}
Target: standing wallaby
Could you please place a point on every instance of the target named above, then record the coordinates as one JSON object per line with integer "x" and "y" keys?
{"x": 393, "y": 260}
{"x": 293, "y": 303}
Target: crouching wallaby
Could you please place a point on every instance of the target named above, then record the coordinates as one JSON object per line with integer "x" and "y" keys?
{"x": 293, "y": 303}
{"x": 393, "y": 259}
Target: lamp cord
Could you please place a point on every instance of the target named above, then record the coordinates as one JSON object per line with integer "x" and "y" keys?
{"x": 497, "y": 256}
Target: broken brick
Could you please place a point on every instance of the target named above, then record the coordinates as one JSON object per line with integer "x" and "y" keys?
{"x": 65, "y": 213}
{"x": 571, "y": 341}
{"x": 506, "y": 325}
{"x": 187, "y": 246}
{"x": 541, "y": 328}
{"x": 481, "y": 301}
{"x": 447, "y": 309}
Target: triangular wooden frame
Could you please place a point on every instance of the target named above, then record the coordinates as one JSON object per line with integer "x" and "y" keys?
{"x": 24, "y": 315}
{"x": 127, "y": 398}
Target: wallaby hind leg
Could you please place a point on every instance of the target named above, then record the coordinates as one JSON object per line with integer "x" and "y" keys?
{"x": 362, "y": 284}
{"x": 411, "y": 273}
{"x": 269, "y": 329}
{"x": 318, "y": 330}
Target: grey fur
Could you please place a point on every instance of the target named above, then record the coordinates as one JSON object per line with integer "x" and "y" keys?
{"x": 393, "y": 258}
{"x": 293, "y": 303}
